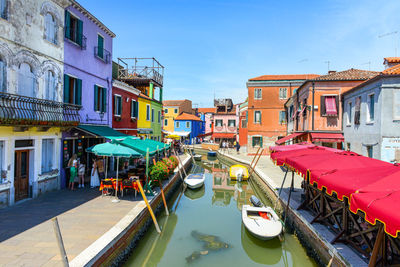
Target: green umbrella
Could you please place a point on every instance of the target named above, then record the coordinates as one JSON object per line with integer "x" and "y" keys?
{"x": 113, "y": 150}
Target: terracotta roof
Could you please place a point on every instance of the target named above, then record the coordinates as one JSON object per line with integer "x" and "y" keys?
{"x": 392, "y": 59}
{"x": 348, "y": 75}
{"x": 206, "y": 110}
{"x": 144, "y": 96}
{"x": 173, "y": 103}
{"x": 395, "y": 70}
{"x": 187, "y": 117}
{"x": 284, "y": 77}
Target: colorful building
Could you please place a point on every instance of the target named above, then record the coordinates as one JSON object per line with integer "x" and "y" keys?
{"x": 371, "y": 115}
{"x": 31, "y": 84}
{"x": 172, "y": 109}
{"x": 144, "y": 120}
{"x": 243, "y": 116}
{"x": 316, "y": 107}
{"x": 156, "y": 120}
{"x": 191, "y": 124}
{"x": 208, "y": 119}
{"x": 266, "y": 114}
{"x": 87, "y": 82}
{"x": 226, "y": 121}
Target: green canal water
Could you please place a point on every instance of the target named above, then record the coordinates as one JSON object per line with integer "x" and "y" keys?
{"x": 206, "y": 230}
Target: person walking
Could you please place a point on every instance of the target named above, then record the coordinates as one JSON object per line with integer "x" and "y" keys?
{"x": 237, "y": 147}
{"x": 100, "y": 168}
{"x": 81, "y": 174}
{"x": 73, "y": 172}
{"x": 94, "y": 175}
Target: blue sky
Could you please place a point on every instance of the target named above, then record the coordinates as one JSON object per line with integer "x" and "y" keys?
{"x": 215, "y": 46}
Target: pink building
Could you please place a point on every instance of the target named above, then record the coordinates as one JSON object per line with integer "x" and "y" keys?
{"x": 208, "y": 118}
{"x": 226, "y": 121}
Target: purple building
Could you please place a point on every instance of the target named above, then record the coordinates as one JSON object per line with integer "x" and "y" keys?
{"x": 87, "y": 82}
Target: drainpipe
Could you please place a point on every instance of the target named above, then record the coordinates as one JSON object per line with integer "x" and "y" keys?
{"x": 312, "y": 108}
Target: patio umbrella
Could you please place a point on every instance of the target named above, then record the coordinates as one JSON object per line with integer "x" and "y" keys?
{"x": 114, "y": 150}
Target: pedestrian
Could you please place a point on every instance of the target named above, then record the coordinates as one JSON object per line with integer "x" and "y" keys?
{"x": 237, "y": 147}
{"x": 94, "y": 175}
{"x": 81, "y": 174}
{"x": 100, "y": 168}
{"x": 73, "y": 172}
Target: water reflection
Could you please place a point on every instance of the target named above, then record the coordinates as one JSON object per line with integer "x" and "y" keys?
{"x": 195, "y": 193}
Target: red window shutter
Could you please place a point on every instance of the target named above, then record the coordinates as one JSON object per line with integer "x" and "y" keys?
{"x": 330, "y": 105}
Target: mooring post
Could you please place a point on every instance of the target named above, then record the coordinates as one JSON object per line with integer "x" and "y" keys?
{"x": 290, "y": 194}
{"x": 148, "y": 205}
{"x": 280, "y": 189}
{"x": 163, "y": 197}
{"x": 60, "y": 242}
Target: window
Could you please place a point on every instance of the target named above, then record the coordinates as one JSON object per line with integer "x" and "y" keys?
{"x": 73, "y": 29}
{"x": 3, "y": 76}
{"x": 176, "y": 111}
{"x": 47, "y": 155}
{"x": 50, "y": 86}
{"x": 100, "y": 99}
{"x": 348, "y": 147}
{"x": 329, "y": 105}
{"x": 371, "y": 107}
{"x": 282, "y": 93}
{"x": 188, "y": 124}
{"x": 147, "y": 112}
{"x": 166, "y": 122}
{"x": 349, "y": 112}
{"x": 152, "y": 115}
{"x": 166, "y": 111}
{"x": 290, "y": 117}
{"x": 257, "y": 116}
{"x": 257, "y": 93}
{"x": 257, "y": 141}
{"x": 50, "y": 28}
{"x": 4, "y": 9}
{"x": 282, "y": 117}
{"x": 100, "y": 46}
{"x": 218, "y": 123}
{"x": 72, "y": 90}
{"x": 117, "y": 105}
{"x": 357, "y": 110}
{"x": 159, "y": 116}
{"x": 370, "y": 151}
{"x": 231, "y": 123}
{"x": 134, "y": 109}
{"x": 26, "y": 81}
{"x": 177, "y": 124}
{"x": 2, "y": 180}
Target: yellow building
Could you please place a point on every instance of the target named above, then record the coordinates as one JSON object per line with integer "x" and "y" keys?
{"x": 144, "y": 119}
{"x": 172, "y": 108}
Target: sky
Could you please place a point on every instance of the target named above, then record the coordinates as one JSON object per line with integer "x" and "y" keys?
{"x": 212, "y": 47}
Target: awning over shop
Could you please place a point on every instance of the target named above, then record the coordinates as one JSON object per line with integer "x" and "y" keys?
{"x": 223, "y": 135}
{"x": 181, "y": 134}
{"x": 140, "y": 146}
{"x": 204, "y": 135}
{"x": 103, "y": 131}
{"x": 145, "y": 131}
{"x": 327, "y": 137}
{"x": 287, "y": 138}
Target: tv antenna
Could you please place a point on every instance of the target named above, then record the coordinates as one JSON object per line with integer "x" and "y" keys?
{"x": 394, "y": 34}
{"x": 328, "y": 62}
{"x": 369, "y": 64}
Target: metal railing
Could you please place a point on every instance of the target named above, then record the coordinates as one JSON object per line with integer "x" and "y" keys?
{"x": 25, "y": 111}
{"x": 74, "y": 36}
{"x": 141, "y": 68}
{"x": 102, "y": 54}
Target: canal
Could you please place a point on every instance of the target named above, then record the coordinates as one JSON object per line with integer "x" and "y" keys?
{"x": 204, "y": 228}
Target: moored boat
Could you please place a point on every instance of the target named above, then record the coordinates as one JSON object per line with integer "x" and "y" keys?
{"x": 212, "y": 153}
{"x": 262, "y": 222}
{"x": 197, "y": 157}
{"x": 195, "y": 180}
{"x": 239, "y": 172}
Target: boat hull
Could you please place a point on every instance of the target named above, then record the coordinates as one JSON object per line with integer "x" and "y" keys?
{"x": 235, "y": 169}
{"x": 194, "y": 181}
{"x": 212, "y": 154}
{"x": 261, "y": 228}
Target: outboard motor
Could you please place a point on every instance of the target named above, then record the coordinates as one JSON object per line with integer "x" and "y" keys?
{"x": 255, "y": 201}
{"x": 239, "y": 175}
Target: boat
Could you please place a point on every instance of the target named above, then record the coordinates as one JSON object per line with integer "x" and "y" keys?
{"x": 239, "y": 172}
{"x": 197, "y": 157}
{"x": 261, "y": 222}
{"x": 212, "y": 153}
{"x": 195, "y": 180}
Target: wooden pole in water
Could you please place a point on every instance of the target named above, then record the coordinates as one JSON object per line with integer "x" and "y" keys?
{"x": 148, "y": 206}
{"x": 290, "y": 194}
{"x": 179, "y": 160}
{"x": 255, "y": 164}
{"x": 60, "y": 242}
{"x": 162, "y": 193}
{"x": 251, "y": 164}
{"x": 280, "y": 189}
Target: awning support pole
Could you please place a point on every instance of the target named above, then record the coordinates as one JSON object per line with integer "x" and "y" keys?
{"x": 377, "y": 247}
{"x": 280, "y": 189}
{"x": 116, "y": 200}
{"x": 148, "y": 206}
{"x": 288, "y": 202}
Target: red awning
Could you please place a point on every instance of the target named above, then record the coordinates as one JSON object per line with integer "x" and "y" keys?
{"x": 287, "y": 138}
{"x": 327, "y": 137}
{"x": 281, "y": 158}
{"x": 223, "y": 135}
{"x": 330, "y": 105}
{"x": 204, "y": 135}
{"x": 380, "y": 201}
{"x": 290, "y": 147}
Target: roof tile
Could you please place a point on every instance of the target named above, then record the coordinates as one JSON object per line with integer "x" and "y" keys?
{"x": 392, "y": 59}
{"x": 187, "y": 117}
{"x": 395, "y": 70}
{"x": 284, "y": 77}
{"x": 206, "y": 110}
{"x": 349, "y": 75}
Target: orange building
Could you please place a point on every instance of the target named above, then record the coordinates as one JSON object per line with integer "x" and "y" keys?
{"x": 243, "y": 114}
{"x": 266, "y": 114}
{"x": 315, "y": 109}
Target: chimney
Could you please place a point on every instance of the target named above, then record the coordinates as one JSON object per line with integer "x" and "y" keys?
{"x": 389, "y": 62}
{"x": 331, "y": 71}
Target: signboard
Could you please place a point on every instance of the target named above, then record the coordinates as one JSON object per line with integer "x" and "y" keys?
{"x": 390, "y": 149}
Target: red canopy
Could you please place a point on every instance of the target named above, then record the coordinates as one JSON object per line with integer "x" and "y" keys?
{"x": 223, "y": 135}
{"x": 287, "y": 138}
{"x": 290, "y": 147}
{"x": 380, "y": 201}
{"x": 282, "y": 157}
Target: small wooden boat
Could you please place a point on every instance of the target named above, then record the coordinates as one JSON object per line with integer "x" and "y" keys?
{"x": 197, "y": 157}
{"x": 195, "y": 180}
{"x": 262, "y": 222}
{"x": 239, "y": 172}
{"x": 212, "y": 153}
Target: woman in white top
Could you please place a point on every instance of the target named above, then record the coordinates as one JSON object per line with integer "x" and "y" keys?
{"x": 94, "y": 178}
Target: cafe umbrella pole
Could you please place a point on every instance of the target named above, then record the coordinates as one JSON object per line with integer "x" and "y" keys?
{"x": 116, "y": 200}
{"x": 148, "y": 206}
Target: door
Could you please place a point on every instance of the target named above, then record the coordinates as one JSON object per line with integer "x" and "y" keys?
{"x": 21, "y": 174}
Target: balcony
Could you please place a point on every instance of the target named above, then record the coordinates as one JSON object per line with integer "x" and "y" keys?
{"x": 140, "y": 71}
{"x": 75, "y": 37}
{"x": 102, "y": 54}
{"x": 17, "y": 110}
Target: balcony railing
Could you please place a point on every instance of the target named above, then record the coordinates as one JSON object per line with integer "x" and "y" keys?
{"x": 75, "y": 37}
{"x": 138, "y": 71}
{"x": 29, "y": 111}
{"x": 102, "y": 54}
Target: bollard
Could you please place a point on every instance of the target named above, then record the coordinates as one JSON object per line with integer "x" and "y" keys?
{"x": 148, "y": 206}
{"x": 60, "y": 242}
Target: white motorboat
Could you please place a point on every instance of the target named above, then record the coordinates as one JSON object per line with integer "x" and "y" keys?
{"x": 197, "y": 157}
{"x": 262, "y": 222}
{"x": 195, "y": 180}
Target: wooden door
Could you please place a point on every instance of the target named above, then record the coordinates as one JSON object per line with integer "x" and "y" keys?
{"x": 21, "y": 174}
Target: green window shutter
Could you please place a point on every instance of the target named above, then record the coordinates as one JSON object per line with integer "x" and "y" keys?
{"x": 136, "y": 109}
{"x": 104, "y": 99}
{"x": 78, "y": 92}
{"x": 119, "y": 105}
{"x": 253, "y": 141}
{"x": 96, "y": 98}
{"x": 67, "y": 25}
{"x": 66, "y": 88}
{"x": 100, "y": 46}
{"x": 80, "y": 32}
{"x": 261, "y": 141}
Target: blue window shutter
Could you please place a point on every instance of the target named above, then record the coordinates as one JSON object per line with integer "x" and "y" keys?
{"x": 66, "y": 88}
{"x": 78, "y": 92}
{"x": 96, "y": 97}
{"x": 80, "y": 32}
{"x": 67, "y": 25}
{"x": 104, "y": 99}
